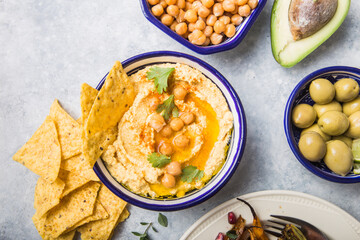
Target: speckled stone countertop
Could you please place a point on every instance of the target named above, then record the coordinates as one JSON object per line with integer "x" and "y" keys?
{"x": 48, "y": 48}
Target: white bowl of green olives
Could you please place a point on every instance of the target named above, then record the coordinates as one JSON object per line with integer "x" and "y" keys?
{"x": 322, "y": 120}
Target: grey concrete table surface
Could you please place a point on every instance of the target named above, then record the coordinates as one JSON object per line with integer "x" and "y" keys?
{"x": 48, "y": 48}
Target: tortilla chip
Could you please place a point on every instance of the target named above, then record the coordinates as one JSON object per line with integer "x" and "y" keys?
{"x": 79, "y": 120}
{"x": 66, "y": 236}
{"x": 39, "y": 223}
{"x": 124, "y": 215}
{"x": 79, "y": 165}
{"x": 42, "y": 153}
{"x": 47, "y": 195}
{"x": 102, "y": 229}
{"x": 113, "y": 100}
{"x": 72, "y": 181}
{"x": 72, "y": 209}
{"x": 87, "y": 99}
{"x": 99, "y": 213}
{"x": 69, "y": 131}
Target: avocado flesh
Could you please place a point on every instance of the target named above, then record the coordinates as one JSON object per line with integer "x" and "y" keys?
{"x": 286, "y": 50}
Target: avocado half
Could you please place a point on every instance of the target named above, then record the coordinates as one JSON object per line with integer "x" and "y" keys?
{"x": 285, "y": 49}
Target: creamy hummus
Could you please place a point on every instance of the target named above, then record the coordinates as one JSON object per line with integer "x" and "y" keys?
{"x": 209, "y": 134}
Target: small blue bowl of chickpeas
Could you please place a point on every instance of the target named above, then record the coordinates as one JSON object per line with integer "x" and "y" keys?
{"x": 204, "y": 26}
{"x": 322, "y": 122}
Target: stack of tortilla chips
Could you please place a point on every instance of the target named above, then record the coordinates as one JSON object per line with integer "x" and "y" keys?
{"x": 68, "y": 195}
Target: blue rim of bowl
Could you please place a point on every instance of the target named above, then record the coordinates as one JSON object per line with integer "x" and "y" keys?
{"x": 228, "y": 44}
{"x": 239, "y": 148}
{"x": 289, "y": 133}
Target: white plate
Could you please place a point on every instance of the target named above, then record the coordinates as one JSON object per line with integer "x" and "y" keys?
{"x": 330, "y": 219}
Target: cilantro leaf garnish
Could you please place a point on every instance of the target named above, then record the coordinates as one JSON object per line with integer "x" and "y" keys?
{"x": 232, "y": 234}
{"x": 158, "y": 160}
{"x": 162, "y": 219}
{"x": 167, "y": 107}
{"x": 191, "y": 173}
{"x": 160, "y": 76}
{"x": 175, "y": 112}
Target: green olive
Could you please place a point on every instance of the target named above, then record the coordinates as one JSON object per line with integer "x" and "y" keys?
{"x": 333, "y": 123}
{"x": 348, "y": 141}
{"x": 315, "y": 128}
{"x": 312, "y": 146}
{"x": 346, "y": 89}
{"x": 338, "y": 157}
{"x": 322, "y": 91}
{"x": 323, "y": 108}
{"x": 354, "y": 127}
{"x": 352, "y": 106}
{"x": 303, "y": 115}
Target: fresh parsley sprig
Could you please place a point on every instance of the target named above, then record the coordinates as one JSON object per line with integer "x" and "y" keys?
{"x": 168, "y": 108}
{"x": 158, "y": 160}
{"x": 160, "y": 76}
{"x": 191, "y": 173}
{"x": 162, "y": 220}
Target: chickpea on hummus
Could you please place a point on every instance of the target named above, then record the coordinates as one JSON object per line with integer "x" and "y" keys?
{"x": 175, "y": 135}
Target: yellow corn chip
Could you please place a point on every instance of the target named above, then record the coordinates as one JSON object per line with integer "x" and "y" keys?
{"x": 124, "y": 215}
{"x": 87, "y": 98}
{"x": 42, "y": 153}
{"x": 72, "y": 209}
{"x": 99, "y": 213}
{"x": 79, "y": 165}
{"x": 79, "y": 120}
{"x": 114, "y": 98}
{"x": 65, "y": 236}
{"x": 72, "y": 181}
{"x": 47, "y": 195}
{"x": 39, "y": 223}
{"x": 68, "y": 129}
{"x": 102, "y": 229}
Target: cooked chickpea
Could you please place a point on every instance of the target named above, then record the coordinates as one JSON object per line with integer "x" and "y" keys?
{"x": 188, "y": 6}
{"x": 191, "y": 27}
{"x": 190, "y": 36}
{"x": 235, "y": 11}
{"x": 176, "y": 124}
{"x": 181, "y": 28}
{"x": 216, "y": 38}
{"x": 173, "y": 10}
{"x": 200, "y": 24}
{"x": 170, "y": 2}
{"x": 196, "y": 5}
{"x": 181, "y": 141}
{"x": 156, "y": 121}
{"x": 218, "y": 9}
{"x": 166, "y": 131}
{"x": 173, "y": 25}
{"x": 179, "y": 93}
{"x": 241, "y": 2}
{"x": 228, "y": 5}
{"x": 168, "y": 180}
{"x": 190, "y": 1}
{"x": 153, "y": 102}
{"x": 207, "y": 41}
{"x": 186, "y": 35}
{"x": 187, "y": 118}
{"x": 236, "y": 19}
{"x": 181, "y": 4}
{"x": 165, "y": 148}
{"x": 173, "y": 168}
{"x": 219, "y": 27}
{"x": 225, "y": 19}
{"x": 253, "y": 3}
{"x": 208, "y": 31}
{"x": 167, "y": 19}
{"x": 163, "y": 3}
{"x": 191, "y": 16}
{"x": 157, "y": 10}
{"x": 203, "y": 12}
{"x": 244, "y": 10}
{"x": 153, "y": 2}
{"x": 210, "y": 20}
{"x": 208, "y": 3}
{"x": 181, "y": 17}
{"x": 230, "y": 30}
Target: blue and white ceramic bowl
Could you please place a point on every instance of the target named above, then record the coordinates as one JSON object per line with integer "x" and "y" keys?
{"x": 228, "y": 44}
{"x": 301, "y": 95}
{"x": 237, "y": 142}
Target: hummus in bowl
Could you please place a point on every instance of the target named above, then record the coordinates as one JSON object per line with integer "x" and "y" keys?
{"x": 176, "y": 139}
